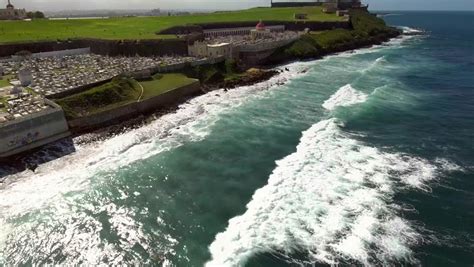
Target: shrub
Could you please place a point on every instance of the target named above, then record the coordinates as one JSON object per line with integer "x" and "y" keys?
{"x": 304, "y": 47}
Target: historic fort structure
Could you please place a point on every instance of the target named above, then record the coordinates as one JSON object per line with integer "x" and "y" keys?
{"x": 11, "y": 13}
{"x": 330, "y": 5}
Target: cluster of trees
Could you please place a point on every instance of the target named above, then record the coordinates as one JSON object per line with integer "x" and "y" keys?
{"x": 35, "y": 15}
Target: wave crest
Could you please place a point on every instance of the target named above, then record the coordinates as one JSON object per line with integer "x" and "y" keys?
{"x": 344, "y": 97}
{"x": 331, "y": 198}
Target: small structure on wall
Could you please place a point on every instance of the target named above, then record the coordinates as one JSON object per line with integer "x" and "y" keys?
{"x": 260, "y": 31}
{"x": 333, "y": 6}
{"x": 295, "y": 4}
{"x": 300, "y": 16}
{"x": 205, "y": 50}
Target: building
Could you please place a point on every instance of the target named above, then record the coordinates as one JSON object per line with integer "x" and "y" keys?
{"x": 10, "y": 13}
{"x": 351, "y": 4}
{"x": 260, "y": 31}
{"x": 296, "y": 4}
{"x": 239, "y": 31}
{"x": 204, "y": 50}
{"x": 332, "y": 6}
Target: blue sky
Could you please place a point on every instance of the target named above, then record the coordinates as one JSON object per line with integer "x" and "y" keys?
{"x": 227, "y": 4}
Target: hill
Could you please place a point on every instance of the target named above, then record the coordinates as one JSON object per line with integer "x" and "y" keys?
{"x": 134, "y": 28}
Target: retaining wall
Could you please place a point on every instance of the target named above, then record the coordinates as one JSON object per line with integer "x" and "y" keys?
{"x": 33, "y": 131}
{"x": 128, "y": 111}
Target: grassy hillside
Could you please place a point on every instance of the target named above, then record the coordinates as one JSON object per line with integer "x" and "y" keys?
{"x": 120, "y": 91}
{"x": 367, "y": 30}
{"x": 141, "y": 27}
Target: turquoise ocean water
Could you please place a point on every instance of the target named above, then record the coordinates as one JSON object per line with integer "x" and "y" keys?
{"x": 362, "y": 158}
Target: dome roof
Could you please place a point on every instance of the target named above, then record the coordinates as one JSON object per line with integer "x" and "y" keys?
{"x": 260, "y": 26}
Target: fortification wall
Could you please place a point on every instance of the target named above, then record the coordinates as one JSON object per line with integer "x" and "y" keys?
{"x": 296, "y": 4}
{"x": 102, "y": 47}
{"x": 128, "y": 111}
{"x": 289, "y": 25}
{"x": 62, "y": 53}
{"x": 260, "y": 47}
{"x": 33, "y": 131}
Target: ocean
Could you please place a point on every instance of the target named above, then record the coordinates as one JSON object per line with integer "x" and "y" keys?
{"x": 360, "y": 158}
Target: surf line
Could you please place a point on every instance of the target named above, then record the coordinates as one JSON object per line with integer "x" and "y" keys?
{"x": 332, "y": 198}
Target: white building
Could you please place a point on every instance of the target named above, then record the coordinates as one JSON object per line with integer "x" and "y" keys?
{"x": 10, "y": 13}
{"x": 204, "y": 50}
{"x": 239, "y": 31}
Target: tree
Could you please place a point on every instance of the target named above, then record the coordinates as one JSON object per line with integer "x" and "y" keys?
{"x": 35, "y": 15}
{"x": 39, "y": 15}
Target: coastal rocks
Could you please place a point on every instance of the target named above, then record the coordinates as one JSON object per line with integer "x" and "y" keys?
{"x": 250, "y": 77}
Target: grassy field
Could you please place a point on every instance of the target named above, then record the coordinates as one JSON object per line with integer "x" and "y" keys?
{"x": 141, "y": 27}
{"x": 163, "y": 83}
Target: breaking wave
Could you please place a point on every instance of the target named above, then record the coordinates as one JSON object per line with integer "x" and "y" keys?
{"x": 332, "y": 198}
{"x": 411, "y": 31}
{"x": 345, "y": 96}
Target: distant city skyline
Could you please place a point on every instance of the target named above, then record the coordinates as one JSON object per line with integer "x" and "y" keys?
{"x": 58, "y": 5}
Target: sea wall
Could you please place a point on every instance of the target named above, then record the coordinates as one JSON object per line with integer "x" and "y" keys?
{"x": 102, "y": 47}
{"x": 109, "y": 117}
{"x": 33, "y": 131}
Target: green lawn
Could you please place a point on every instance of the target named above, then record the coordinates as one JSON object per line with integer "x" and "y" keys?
{"x": 163, "y": 83}
{"x": 141, "y": 27}
{"x": 4, "y": 82}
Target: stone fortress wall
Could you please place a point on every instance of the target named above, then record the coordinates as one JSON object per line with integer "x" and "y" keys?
{"x": 102, "y": 47}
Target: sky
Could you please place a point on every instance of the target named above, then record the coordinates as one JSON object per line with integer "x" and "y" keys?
{"x": 57, "y": 5}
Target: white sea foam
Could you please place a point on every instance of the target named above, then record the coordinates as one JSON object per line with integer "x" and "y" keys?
{"x": 411, "y": 31}
{"x": 448, "y": 165}
{"x": 344, "y": 97}
{"x": 332, "y": 198}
